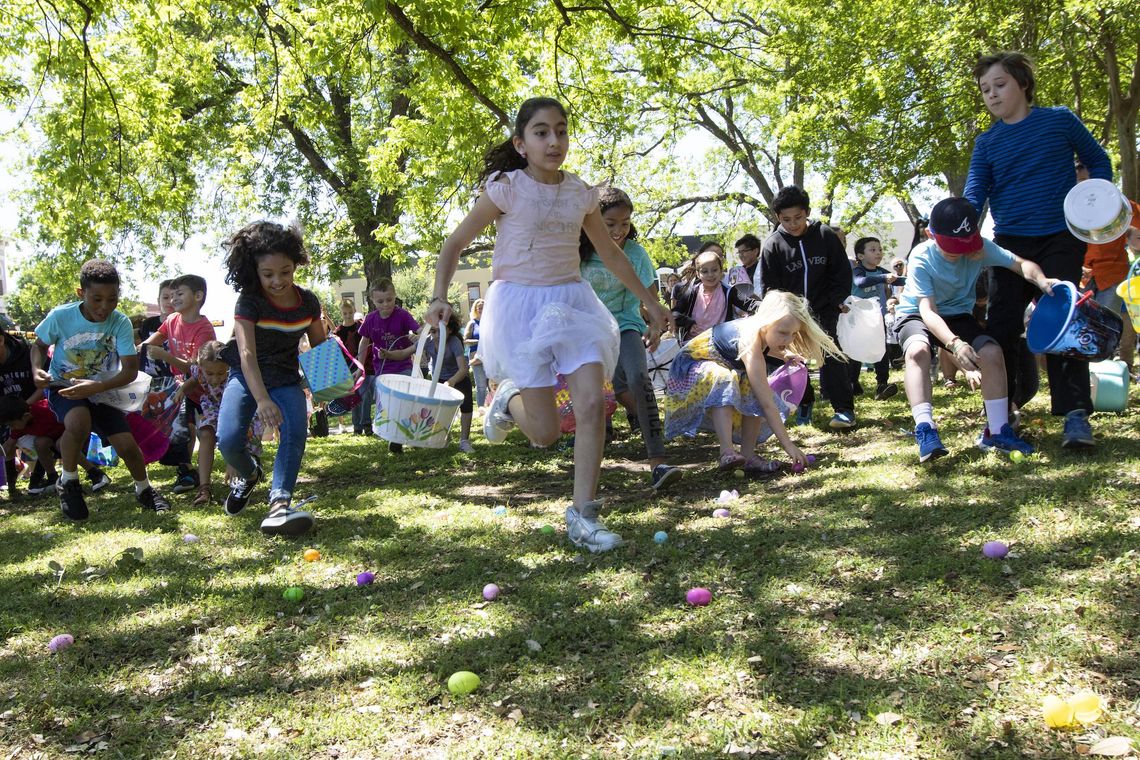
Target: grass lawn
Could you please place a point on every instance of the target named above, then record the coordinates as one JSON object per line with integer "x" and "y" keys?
{"x": 853, "y": 615}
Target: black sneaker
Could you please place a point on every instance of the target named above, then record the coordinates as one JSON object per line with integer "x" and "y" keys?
{"x": 884, "y": 392}
{"x": 283, "y": 520}
{"x": 39, "y": 483}
{"x": 98, "y": 478}
{"x": 240, "y": 491}
{"x": 153, "y": 500}
{"x": 187, "y": 480}
{"x": 664, "y": 475}
{"x": 71, "y": 501}
{"x": 395, "y": 448}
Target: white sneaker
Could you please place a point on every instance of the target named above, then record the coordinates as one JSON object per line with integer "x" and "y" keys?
{"x": 589, "y": 533}
{"x": 498, "y": 421}
{"x": 466, "y": 447}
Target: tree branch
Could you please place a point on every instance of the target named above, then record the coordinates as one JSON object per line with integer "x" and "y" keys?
{"x": 312, "y": 155}
{"x": 741, "y": 199}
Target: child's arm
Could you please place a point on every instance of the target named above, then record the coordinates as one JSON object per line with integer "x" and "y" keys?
{"x": 80, "y": 389}
{"x": 1031, "y": 272}
{"x": 317, "y": 333}
{"x": 267, "y": 411}
{"x": 461, "y": 373}
{"x": 484, "y": 212}
{"x": 617, "y": 262}
{"x": 865, "y": 279}
{"x": 963, "y": 352}
{"x": 36, "y": 353}
{"x": 364, "y": 351}
{"x": 757, "y": 371}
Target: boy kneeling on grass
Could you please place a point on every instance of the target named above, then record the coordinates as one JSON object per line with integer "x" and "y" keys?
{"x": 94, "y": 352}
{"x": 34, "y": 427}
{"x": 937, "y": 305}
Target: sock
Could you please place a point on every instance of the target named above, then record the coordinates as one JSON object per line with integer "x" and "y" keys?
{"x": 67, "y": 477}
{"x": 923, "y": 413}
{"x": 141, "y": 485}
{"x": 997, "y": 413}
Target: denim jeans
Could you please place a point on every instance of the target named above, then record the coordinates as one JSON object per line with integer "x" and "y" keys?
{"x": 236, "y": 412}
{"x": 480, "y": 376}
{"x": 362, "y": 412}
{"x": 632, "y": 374}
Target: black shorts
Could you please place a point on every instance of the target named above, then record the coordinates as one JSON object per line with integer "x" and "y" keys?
{"x": 464, "y": 387}
{"x": 911, "y": 328}
{"x": 191, "y": 411}
{"x": 106, "y": 420}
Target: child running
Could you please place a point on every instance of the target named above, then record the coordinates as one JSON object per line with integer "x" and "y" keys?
{"x": 94, "y": 352}
{"x": 540, "y": 317}
{"x": 455, "y": 373}
{"x": 937, "y": 307}
{"x": 724, "y": 370}
{"x": 631, "y": 380}
{"x": 271, "y": 316}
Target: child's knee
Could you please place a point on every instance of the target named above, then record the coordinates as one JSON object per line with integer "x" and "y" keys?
{"x": 547, "y": 435}
{"x": 990, "y": 353}
{"x": 918, "y": 353}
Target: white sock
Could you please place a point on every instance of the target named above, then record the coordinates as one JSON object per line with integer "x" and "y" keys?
{"x": 141, "y": 485}
{"x": 66, "y": 476}
{"x": 997, "y": 413}
{"x": 923, "y": 413}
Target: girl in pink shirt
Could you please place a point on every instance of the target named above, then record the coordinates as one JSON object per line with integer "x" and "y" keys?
{"x": 539, "y": 316}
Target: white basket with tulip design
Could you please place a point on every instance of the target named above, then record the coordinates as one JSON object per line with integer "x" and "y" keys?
{"x": 413, "y": 410}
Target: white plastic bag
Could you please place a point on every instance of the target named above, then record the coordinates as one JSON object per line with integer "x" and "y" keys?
{"x": 861, "y": 333}
{"x": 128, "y": 398}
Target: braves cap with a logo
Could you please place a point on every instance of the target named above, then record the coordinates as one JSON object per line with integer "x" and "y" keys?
{"x": 954, "y": 226}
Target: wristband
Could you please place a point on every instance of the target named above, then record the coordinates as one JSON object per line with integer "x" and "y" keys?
{"x": 437, "y": 298}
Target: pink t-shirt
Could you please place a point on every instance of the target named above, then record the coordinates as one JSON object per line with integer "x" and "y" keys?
{"x": 536, "y": 242}
{"x": 708, "y": 309}
{"x": 183, "y": 339}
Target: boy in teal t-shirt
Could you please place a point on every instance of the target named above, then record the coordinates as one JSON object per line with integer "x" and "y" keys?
{"x": 94, "y": 353}
{"x": 937, "y": 307}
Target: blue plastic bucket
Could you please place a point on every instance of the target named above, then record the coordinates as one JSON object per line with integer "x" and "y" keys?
{"x": 1079, "y": 328}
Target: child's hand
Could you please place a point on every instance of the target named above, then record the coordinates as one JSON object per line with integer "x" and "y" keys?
{"x": 269, "y": 414}
{"x": 794, "y": 359}
{"x": 1047, "y": 284}
{"x": 964, "y": 355}
{"x": 891, "y": 278}
{"x": 796, "y": 455}
{"x": 974, "y": 379}
{"x": 158, "y": 353}
{"x": 80, "y": 389}
{"x": 41, "y": 377}
{"x": 660, "y": 317}
{"x": 652, "y": 339}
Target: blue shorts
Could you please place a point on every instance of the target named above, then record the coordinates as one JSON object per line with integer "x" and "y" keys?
{"x": 106, "y": 420}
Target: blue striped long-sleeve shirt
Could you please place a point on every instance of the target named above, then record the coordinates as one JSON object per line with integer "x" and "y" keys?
{"x": 1025, "y": 169}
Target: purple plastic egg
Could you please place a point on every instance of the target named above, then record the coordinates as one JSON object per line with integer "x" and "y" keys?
{"x": 994, "y": 549}
{"x": 811, "y": 458}
{"x": 698, "y": 597}
{"x": 722, "y": 512}
{"x": 363, "y": 579}
{"x": 61, "y": 642}
{"x": 797, "y": 468}
{"x": 490, "y": 592}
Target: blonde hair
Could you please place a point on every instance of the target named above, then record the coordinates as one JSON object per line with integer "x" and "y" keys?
{"x": 810, "y": 341}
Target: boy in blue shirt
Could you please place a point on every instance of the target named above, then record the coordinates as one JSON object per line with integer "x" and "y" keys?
{"x": 94, "y": 352}
{"x": 869, "y": 280}
{"x": 937, "y": 307}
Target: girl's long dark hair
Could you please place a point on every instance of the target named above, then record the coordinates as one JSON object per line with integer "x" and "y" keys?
{"x": 608, "y": 197}
{"x": 504, "y": 157}
{"x": 252, "y": 242}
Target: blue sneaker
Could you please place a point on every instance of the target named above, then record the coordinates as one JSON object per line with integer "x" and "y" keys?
{"x": 1078, "y": 432}
{"x": 929, "y": 443}
{"x": 1005, "y": 441}
{"x": 803, "y": 414}
{"x": 842, "y": 421}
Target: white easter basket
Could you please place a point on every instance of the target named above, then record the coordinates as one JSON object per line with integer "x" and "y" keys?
{"x": 413, "y": 410}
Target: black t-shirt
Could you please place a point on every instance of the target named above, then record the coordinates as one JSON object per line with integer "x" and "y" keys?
{"x": 16, "y": 371}
{"x": 276, "y": 331}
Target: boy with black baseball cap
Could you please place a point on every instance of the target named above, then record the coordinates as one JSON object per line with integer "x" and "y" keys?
{"x": 936, "y": 307}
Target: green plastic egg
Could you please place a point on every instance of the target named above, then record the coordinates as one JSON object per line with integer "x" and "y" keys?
{"x": 462, "y": 682}
{"x": 294, "y": 594}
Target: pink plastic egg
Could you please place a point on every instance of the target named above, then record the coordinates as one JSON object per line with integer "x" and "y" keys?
{"x": 61, "y": 642}
{"x": 490, "y": 592}
{"x": 722, "y": 512}
{"x": 698, "y": 597}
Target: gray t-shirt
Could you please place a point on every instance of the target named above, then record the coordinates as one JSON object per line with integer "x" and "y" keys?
{"x": 451, "y": 351}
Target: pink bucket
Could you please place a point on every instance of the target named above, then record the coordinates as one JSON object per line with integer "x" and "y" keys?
{"x": 148, "y": 436}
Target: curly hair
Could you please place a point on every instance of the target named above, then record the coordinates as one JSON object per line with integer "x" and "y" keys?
{"x": 255, "y": 241}
{"x": 98, "y": 272}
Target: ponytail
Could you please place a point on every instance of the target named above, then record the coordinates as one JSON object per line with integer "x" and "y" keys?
{"x": 505, "y": 157}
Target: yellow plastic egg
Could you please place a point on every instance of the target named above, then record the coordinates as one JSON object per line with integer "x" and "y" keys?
{"x": 312, "y": 555}
{"x": 1057, "y": 712}
{"x": 1087, "y": 707}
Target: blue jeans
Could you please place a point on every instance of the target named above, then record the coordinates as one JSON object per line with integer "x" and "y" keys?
{"x": 362, "y": 412}
{"x": 480, "y": 376}
{"x": 236, "y": 412}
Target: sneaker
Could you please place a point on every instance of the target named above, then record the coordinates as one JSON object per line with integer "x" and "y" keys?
{"x": 498, "y": 421}
{"x": 929, "y": 443}
{"x": 1005, "y": 441}
{"x": 1078, "y": 432}
{"x": 71, "y": 501}
{"x": 187, "y": 481}
{"x": 204, "y": 496}
{"x": 884, "y": 392}
{"x": 395, "y": 448}
{"x": 842, "y": 421}
{"x": 803, "y": 414}
{"x": 240, "y": 491}
{"x": 664, "y": 475}
{"x": 98, "y": 478}
{"x": 153, "y": 500}
{"x": 466, "y": 447}
{"x": 589, "y": 533}
{"x": 39, "y": 483}
{"x": 283, "y": 520}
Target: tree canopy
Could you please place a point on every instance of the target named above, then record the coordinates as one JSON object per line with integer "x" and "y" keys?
{"x": 148, "y": 122}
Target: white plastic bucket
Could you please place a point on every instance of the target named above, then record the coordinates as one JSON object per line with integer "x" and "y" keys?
{"x": 129, "y": 398}
{"x": 861, "y": 333}
{"x": 1096, "y": 211}
{"x": 414, "y": 411}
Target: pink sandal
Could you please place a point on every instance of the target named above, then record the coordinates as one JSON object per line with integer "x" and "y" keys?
{"x": 730, "y": 461}
{"x": 758, "y": 467}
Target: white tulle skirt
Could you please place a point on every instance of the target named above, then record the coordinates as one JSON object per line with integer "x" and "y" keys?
{"x": 529, "y": 333}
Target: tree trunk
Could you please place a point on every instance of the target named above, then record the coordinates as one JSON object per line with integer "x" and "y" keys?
{"x": 1129, "y": 168}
